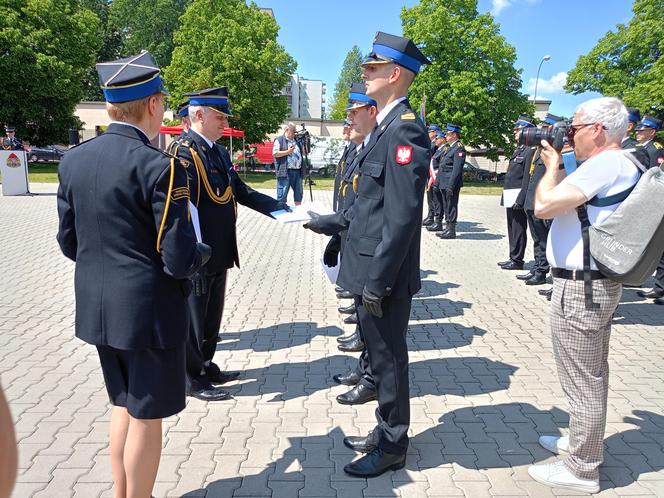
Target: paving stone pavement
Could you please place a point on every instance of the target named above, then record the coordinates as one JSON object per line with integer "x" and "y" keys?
{"x": 483, "y": 379}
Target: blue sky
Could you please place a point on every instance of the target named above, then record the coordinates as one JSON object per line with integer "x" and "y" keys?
{"x": 318, "y": 34}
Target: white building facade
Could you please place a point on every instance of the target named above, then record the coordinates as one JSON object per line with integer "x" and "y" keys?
{"x": 306, "y": 98}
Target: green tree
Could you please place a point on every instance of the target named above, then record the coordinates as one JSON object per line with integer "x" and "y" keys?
{"x": 111, "y": 46}
{"x": 472, "y": 80}
{"x": 46, "y": 48}
{"x": 351, "y": 72}
{"x": 627, "y": 62}
{"x": 148, "y": 25}
{"x": 229, "y": 43}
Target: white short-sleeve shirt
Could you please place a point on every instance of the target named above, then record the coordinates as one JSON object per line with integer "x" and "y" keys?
{"x": 606, "y": 174}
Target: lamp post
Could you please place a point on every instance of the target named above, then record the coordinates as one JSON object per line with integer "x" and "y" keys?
{"x": 545, "y": 58}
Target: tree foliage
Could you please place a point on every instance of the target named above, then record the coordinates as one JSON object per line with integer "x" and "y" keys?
{"x": 472, "y": 80}
{"x": 229, "y": 43}
{"x": 627, "y": 62}
{"x": 111, "y": 47}
{"x": 46, "y": 48}
{"x": 351, "y": 72}
{"x": 148, "y": 25}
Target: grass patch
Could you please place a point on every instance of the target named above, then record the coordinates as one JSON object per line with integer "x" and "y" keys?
{"x": 48, "y": 173}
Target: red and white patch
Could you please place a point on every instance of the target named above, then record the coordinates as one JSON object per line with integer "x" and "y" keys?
{"x": 404, "y": 154}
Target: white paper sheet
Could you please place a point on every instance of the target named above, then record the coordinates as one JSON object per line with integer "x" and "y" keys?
{"x": 509, "y": 196}
{"x": 193, "y": 212}
{"x": 300, "y": 213}
{"x": 332, "y": 272}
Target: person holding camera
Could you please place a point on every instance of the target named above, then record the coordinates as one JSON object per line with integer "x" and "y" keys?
{"x": 583, "y": 301}
{"x": 288, "y": 165}
{"x": 124, "y": 220}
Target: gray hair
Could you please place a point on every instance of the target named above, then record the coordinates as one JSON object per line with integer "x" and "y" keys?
{"x": 193, "y": 109}
{"x": 610, "y": 111}
{"x": 290, "y": 126}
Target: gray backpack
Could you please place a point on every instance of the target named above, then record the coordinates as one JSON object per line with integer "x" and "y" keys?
{"x": 628, "y": 245}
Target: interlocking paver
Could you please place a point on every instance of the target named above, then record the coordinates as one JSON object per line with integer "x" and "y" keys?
{"x": 484, "y": 384}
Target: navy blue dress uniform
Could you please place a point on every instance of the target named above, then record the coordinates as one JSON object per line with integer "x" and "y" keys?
{"x": 124, "y": 219}
{"x": 517, "y": 178}
{"x": 431, "y": 202}
{"x": 539, "y": 228}
{"x": 634, "y": 117}
{"x": 215, "y": 189}
{"x": 653, "y": 149}
{"x": 450, "y": 181}
{"x": 11, "y": 143}
{"x": 346, "y": 157}
{"x": 382, "y": 257}
{"x": 437, "y": 198}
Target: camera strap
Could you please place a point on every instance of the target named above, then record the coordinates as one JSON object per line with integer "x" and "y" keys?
{"x": 582, "y": 212}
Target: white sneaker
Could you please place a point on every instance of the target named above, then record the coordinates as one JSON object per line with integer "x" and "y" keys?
{"x": 556, "y": 475}
{"x": 555, "y": 444}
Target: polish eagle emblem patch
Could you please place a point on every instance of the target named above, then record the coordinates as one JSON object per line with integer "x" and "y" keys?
{"x": 404, "y": 154}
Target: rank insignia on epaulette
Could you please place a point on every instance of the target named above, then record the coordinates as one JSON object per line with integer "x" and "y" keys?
{"x": 180, "y": 193}
{"x": 657, "y": 145}
{"x": 185, "y": 163}
{"x": 408, "y": 115}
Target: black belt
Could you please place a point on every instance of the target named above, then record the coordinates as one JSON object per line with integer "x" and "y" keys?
{"x": 575, "y": 274}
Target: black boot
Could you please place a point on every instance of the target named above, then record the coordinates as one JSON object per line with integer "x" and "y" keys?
{"x": 348, "y": 379}
{"x": 351, "y": 319}
{"x": 375, "y": 463}
{"x": 427, "y": 221}
{"x": 354, "y": 346}
{"x": 360, "y": 394}
{"x": 347, "y": 310}
{"x": 538, "y": 278}
{"x": 450, "y": 233}
{"x": 348, "y": 338}
{"x": 436, "y": 226}
{"x": 526, "y": 276}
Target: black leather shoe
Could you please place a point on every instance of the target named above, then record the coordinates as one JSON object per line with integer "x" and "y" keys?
{"x": 361, "y": 444}
{"x": 349, "y": 379}
{"x": 538, "y": 278}
{"x": 427, "y": 221}
{"x": 348, "y": 310}
{"x": 351, "y": 346}
{"x": 210, "y": 394}
{"x": 526, "y": 276}
{"x": 359, "y": 395}
{"x": 659, "y": 300}
{"x": 351, "y": 319}
{"x": 348, "y": 338}
{"x": 345, "y": 295}
{"x": 375, "y": 463}
{"x": 338, "y": 289}
{"x": 435, "y": 227}
{"x": 512, "y": 265}
{"x": 547, "y": 293}
{"x": 221, "y": 377}
{"x": 651, "y": 294}
{"x": 448, "y": 233}
{"x": 503, "y": 263}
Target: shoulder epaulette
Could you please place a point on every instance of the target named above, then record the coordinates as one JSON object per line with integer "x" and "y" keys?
{"x": 408, "y": 116}
{"x": 658, "y": 145}
{"x": 165, "y": 153}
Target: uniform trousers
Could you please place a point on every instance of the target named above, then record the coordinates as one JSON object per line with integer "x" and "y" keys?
{"x": 451, "y": 204}
{"x": 363, "y": 369}
{"x": 385, "y": 339}
{"x": 539, "y": 231}
{"x": 659, "y": 275}
{"x": 581, "y": 350}
{"x": 206, "y": 312}
{"x": 517, "y": 227}
{"x": 435, "y": 202}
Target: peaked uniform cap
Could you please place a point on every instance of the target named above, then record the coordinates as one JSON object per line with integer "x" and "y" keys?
{"x": 183, "y": 109}
{"x": 397, "y": 49}
{"x": 130, "y": 78}
{"x": 358, "y": 97}
{"x": 9, "y": 129}
{"x": 453, "y": 127}
{"x": 433, "y": 127}
{"x": 552, "y": 118}
{"x": 214, "y": 98}
{"x": 634, "y": 114}
{"x": 523, "y": 122}
{"x": 649, "y": 122}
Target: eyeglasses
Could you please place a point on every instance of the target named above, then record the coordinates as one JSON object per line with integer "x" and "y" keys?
{"x": 574, "y": 129}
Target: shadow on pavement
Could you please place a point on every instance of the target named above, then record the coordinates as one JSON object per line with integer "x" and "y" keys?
{"x": 436, "y": 377}
{"x": 644, "y": 312}
{"x": 439, "y": 336}
{"x": 431, "y": 288}
{"x": 275, "y": 337}
{"x": 435, "y": 308}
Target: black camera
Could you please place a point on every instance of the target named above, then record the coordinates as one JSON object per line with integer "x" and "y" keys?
{"x": 556, "y": 135}
{"x": 303, "y": 140}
